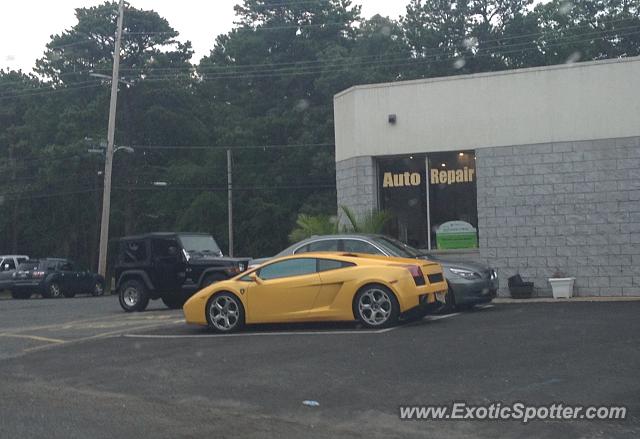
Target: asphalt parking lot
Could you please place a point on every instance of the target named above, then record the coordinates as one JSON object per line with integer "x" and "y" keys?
{"x": 78, "y": 368}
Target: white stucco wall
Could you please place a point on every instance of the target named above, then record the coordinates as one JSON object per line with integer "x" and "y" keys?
{"x": 583, "y": 101}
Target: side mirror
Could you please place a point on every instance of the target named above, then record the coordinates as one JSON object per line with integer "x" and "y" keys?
{"x": 254, "y": 277}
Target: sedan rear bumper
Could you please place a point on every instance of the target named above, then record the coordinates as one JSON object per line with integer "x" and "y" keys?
{"x": 469, "y": 292}
{"x": 27, "y": 287}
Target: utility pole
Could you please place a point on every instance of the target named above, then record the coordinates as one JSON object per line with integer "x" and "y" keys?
{"x": 108, "y": 163}
{"x": 230, "y": 195}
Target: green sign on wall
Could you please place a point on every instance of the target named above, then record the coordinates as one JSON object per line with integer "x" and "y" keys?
{"x": 456, "y": 234}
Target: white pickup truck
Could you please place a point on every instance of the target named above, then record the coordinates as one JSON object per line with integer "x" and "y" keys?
{"x": 8, "y": 266}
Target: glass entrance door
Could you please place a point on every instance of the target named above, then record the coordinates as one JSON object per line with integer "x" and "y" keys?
{"x": 403, "y": 193}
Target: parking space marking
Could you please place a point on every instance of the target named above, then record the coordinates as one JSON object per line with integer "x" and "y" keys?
{"x": 104, "y": 335}
{"x": 283, "y": 333}
{"x": 33, "y": 337}
{"x": 445, "y": 316}
{"x": 263, "y": 334}
{"x": 488, "y": 305}
{"x": 73, "y": 324}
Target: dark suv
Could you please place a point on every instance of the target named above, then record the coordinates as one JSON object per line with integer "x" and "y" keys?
{"x": 53, "y": 278}
{"x": 169, "y": 266}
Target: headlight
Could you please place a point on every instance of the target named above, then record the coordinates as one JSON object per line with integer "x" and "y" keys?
{"x": 466, "y": 274}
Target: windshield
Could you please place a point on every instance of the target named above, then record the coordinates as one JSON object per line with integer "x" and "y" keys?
{"x": 201, "y": 244}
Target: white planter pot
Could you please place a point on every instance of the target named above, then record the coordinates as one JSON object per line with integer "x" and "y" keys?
{"x": 562, "y": 288}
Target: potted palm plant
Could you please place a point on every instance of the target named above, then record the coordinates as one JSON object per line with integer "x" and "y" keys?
{"x": 561, "y": 285}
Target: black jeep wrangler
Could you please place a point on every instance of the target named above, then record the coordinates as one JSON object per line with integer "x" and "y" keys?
{"x": 169, "y": 266}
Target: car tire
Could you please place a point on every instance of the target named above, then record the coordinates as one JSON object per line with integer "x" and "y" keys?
{"x": 52, "y": 291}
{"x": 174, "y": 302}
{"x": 20, "y": 296}
{"x": 133, "y": 296}
{"x": 225, "y": 313}
{"x": 98, "y": 289}
{"x": 68, "y": 294}
{"x": 375, "y": 306}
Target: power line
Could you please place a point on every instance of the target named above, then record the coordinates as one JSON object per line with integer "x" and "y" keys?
{"x": 216, "y": 148}
{"x": 344, "y": 63}
{"x": 225, "y": 188}
{"x": 481, "y": 53}
{"x": 46, "y": 92}
{"x": 341, "y": 60}
{"x": 428, "y": 52}
{"x": 42, "y": 195}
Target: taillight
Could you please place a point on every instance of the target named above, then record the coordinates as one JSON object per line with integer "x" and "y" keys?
{"x": 416, "y": 273}
{"x": 38, "y": 274}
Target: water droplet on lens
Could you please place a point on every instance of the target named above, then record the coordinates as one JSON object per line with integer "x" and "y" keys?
{"x": 470, "y": 42}
{"x": 574, "y": 57}
{"x": 302, "y": 105}
{"x": 565, "y": 7}
{"x": 459, "y": 63}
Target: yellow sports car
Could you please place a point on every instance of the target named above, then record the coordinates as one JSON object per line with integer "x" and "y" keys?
{"x": 376, "y": 290}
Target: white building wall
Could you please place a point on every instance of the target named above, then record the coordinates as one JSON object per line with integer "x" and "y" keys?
{"x": 583, "y": 101}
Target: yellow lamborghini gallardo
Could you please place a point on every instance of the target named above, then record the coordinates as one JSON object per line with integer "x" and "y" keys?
{"x": 376, "y": 290}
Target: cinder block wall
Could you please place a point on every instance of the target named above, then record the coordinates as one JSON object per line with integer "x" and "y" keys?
{"x": 356, "y": 185}
{"x": 573, "y": 207}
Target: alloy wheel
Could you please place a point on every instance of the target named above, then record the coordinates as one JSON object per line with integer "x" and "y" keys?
{"x": 375, "y": 306}
{"x": 224, "y": 313}
{"x": 54, "y": 290}
{"x": 131, "y": 296}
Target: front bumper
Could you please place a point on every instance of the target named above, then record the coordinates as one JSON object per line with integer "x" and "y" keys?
{"x": 474, "y": 291}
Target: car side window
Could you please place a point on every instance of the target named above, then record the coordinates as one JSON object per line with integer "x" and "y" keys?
{"x": 8, "y": 265}
{"x": 303, "y": 249}
{"x": 326, "y": 245}
{"x": 288, "y": 268}
{"x": 165, "y": 249}
{"x": 330, "y": 264}
{"x": 357, "y": 246}
{"x": 133, "y": 251}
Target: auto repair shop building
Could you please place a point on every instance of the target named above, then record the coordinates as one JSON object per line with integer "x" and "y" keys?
{"x": 533, "y": 170}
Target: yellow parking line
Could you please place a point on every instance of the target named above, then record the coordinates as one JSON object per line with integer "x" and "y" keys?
{"x": 34, "y": 337}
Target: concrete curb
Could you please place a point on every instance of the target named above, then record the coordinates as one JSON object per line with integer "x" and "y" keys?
{"x": 573, "y": 299}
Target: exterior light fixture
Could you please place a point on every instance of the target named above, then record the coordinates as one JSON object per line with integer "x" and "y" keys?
{"x": 461, "y": 154}
{"x": 443, "y": 165}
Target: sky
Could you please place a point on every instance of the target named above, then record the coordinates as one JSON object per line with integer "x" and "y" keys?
{"x": 27, "y": 25}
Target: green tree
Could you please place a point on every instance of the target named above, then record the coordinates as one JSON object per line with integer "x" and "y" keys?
{"x": 589, "y": 30}
{"x": 370, "y": 222}
{"x": 308, "y": 226}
